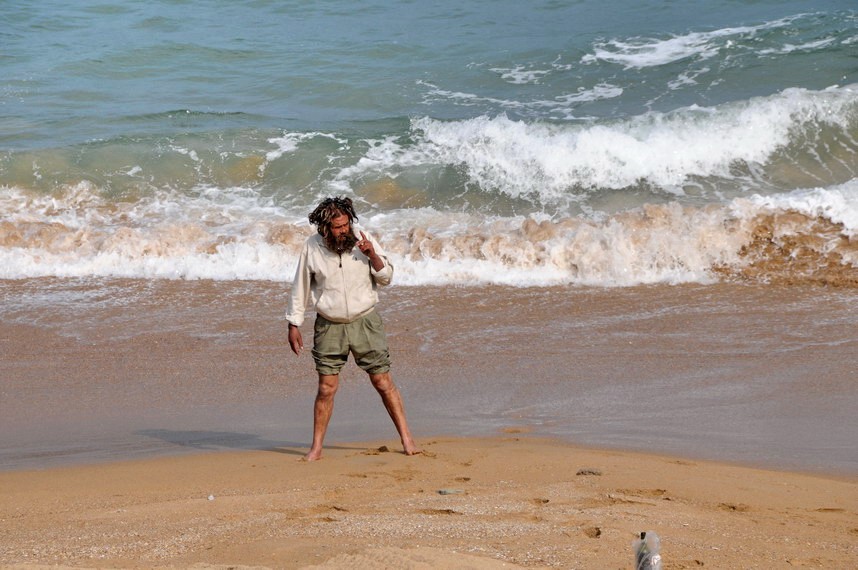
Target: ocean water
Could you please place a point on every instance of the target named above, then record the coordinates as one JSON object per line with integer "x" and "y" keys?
{"x": 519, "y": 143}
{"x": 549, "y": 157}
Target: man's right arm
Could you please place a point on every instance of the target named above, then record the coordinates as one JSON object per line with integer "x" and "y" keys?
{"x": 296, "y": 341}
{"x": 299, "y": 296}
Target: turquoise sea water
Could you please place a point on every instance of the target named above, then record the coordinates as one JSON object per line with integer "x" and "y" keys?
{"x": 575, "y": 142}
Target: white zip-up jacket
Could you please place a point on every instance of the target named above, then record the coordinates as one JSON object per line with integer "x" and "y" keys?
{"x": 341, "y": 287}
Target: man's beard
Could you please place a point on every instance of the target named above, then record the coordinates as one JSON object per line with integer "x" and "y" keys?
{"x": 342, "y": 244}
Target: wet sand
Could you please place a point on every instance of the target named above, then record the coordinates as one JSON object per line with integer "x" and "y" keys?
{"x": 127, "y": 405}
{"x": 114, "y": 369}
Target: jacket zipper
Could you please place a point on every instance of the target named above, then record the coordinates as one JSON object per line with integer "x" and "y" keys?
{"x": 345, "y": 292}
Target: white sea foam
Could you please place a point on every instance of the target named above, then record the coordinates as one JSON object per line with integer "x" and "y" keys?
{"x": 212, "y": 237}
{"x": 640, "y": 53}
{"x": 654, "y": 244}
{"x": 289, "y": 142}
{"x": 562, "y": 169}
{"x": 838, "y": 204}
{"x": 548, "y": 162}
{"x": 561, "y": 105}
{"x": 285, "y": 144}
{"x": 620, "y": 251}
{"x": 219, "y": 234}
{"x": 687, "y": 78}
{"x": 521, "y": 75}
{"x": 809, "y": 46}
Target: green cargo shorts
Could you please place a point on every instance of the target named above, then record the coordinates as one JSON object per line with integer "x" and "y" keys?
{"x": 364, "y": 337}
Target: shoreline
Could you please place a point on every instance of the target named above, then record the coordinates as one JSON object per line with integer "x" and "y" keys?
{"x": 499, "y": 502}
{"x": 179, "y": 445}
{"x": 115, "y": 369}
{"x": 720, "y": 417}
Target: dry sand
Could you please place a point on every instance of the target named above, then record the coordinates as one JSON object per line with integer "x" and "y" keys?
{"x": 514, "y": 501}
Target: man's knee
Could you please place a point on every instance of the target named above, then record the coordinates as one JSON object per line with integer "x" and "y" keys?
{"x": 382, "y": 382}
{"x": 328, "y": 385}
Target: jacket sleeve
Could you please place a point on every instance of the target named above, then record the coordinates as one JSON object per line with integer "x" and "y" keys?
{"x": 299, "y": 297}
{"x": 385, "y": 275}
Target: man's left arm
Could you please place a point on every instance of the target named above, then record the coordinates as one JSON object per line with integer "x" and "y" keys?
{"x": 382, "y": 269}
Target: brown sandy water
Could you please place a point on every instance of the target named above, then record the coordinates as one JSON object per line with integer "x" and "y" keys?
{"x": 97, "y": 370}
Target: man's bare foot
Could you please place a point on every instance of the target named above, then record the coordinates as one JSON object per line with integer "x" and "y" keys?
{"x": 411, "y": 448}
{"x": 312, "y": 455}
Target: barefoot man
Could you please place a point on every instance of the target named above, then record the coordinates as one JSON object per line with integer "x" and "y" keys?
{"x": 342, "y": 281}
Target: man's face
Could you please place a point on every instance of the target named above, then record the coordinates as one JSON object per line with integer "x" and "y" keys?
{"x": 340, "y": 237}
{"x": 340, "y": 226}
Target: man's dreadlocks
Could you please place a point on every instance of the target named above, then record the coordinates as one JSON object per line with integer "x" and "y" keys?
{"x": 329, "y": 209}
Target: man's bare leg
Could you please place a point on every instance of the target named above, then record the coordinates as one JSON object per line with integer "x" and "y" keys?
{"x": 322, "y": 410}
{"x": 392, "y": 399}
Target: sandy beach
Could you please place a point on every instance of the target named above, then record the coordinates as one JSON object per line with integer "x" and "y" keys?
{"x": 103, "y": 370}
{"x": 509, "y": 501}
{"x": 159, "y": 424}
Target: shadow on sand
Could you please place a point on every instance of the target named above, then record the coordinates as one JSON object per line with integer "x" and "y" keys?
{"x": 219, "y": 440}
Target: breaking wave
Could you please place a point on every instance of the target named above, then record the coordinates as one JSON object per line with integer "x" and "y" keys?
{"x": 804, "y": 236}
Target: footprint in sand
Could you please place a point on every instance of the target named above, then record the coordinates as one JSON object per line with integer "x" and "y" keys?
{"x": 734, "y": 508}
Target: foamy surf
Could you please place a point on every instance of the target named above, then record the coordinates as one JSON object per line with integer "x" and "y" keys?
{"x": 778, "y": 141}
{"x": 807, "y": 235}
{"x": 761, "y": 188}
